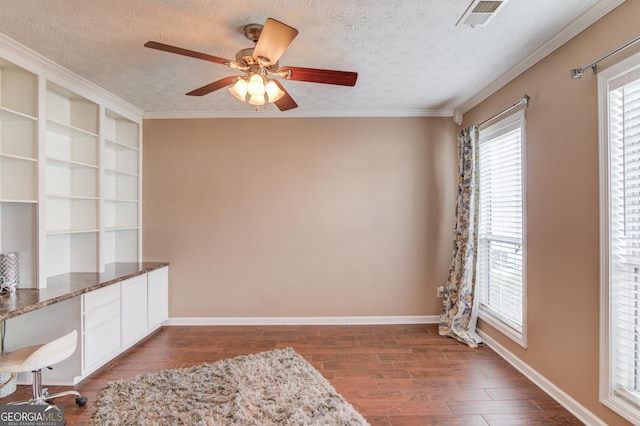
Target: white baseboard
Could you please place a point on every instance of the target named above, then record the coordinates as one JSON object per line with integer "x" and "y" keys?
{"x": 420, "y": 319}
{"x": 573, "y": 406}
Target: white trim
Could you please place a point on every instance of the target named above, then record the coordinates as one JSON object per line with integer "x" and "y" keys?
{"x": 607, "y": 395}
{"x": 272, "y": 113}
{"x": 599, "y": 10}
{"x": 491, "y": 131}
{"x": 364, "y": 320}
{"x": 603, "y": 158}
{"x": 573, "y": 406}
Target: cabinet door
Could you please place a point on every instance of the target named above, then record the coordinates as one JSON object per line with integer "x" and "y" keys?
{"x": 101, "y": 326}
{"x": 100, "y": 343}
{"x": 158, "y": 297}
{"x": 133, "y": 302}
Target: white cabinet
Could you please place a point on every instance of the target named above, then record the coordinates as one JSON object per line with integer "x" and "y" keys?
{"x": 133, "y": 303}
{"x": 100, "y": 326}
{"x": 158, "y": 297}
{"x": 109, "y": 320}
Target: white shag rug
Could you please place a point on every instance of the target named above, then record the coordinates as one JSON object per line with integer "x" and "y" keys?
{"x": 278, "y": 387}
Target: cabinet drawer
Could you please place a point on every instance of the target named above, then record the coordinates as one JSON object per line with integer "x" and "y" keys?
{"x": 102, "y": 296}
{"x": 101, "y": 342}
{"x": 97, "y": 316}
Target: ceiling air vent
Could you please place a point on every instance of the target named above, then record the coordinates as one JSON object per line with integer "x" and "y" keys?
{"x": 480, "y": 12}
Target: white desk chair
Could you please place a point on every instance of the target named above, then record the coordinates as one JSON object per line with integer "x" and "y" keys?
{"x": 34, "y": 359}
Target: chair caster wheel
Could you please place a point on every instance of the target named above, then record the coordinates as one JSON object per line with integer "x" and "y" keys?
{"x": 81, "y": 401}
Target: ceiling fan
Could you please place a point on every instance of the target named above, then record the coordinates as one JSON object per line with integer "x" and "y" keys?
{"x": 259, "y": 64}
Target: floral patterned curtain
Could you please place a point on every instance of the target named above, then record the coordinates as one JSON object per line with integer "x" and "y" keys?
{"x": 459, "y": 304}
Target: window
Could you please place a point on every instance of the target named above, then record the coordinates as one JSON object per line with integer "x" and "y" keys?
{"x": 501, "y": 243}
{"x": 619, "y": 102}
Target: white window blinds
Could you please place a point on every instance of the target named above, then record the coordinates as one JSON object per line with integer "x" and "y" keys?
{"x": 500, "y": 235}
{"x": 624, "y": 237}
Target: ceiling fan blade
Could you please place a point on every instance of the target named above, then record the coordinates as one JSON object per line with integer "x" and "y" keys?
{"x": 185, "y": 52}
{"x": 274, "y": 40}
{"x": 286, "y": 102}
{"x": 212, "y": 87}
{"x": 314, "y": 75}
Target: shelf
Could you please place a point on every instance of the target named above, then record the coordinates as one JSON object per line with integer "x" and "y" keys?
{"x": 8, "y": 201}
{"x": 71, "y": 231}
{"x": 17, "y": 157}
{"x": 64, "y": 129}
{"x": 8, "y": 115}
{"x": 120, "y": 145}
{"x": 70, "y": 163}
{"x": 71, "y": 197}
{"x": 120, "y": 200}
{"x": 119, "y": 173}
{"x": 121, "y": 228}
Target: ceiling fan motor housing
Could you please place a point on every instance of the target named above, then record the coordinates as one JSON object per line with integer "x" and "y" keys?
{"x": 253, "y": 31}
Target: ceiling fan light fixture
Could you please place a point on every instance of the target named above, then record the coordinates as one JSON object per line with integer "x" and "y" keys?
{"x": 239, "y": 90}
{"x": 257, "y": 100}
{"x": 274, "y": 93}
{"x": 256, "y": 86}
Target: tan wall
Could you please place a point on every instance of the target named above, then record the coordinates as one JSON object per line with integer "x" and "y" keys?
{"x": 562, "y": 212}
{"x": 301, "y": 217}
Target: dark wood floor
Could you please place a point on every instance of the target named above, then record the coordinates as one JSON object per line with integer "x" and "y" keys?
{"x": 392, "y": 374}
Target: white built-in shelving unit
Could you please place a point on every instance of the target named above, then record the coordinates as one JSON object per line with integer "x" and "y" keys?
{"x": 72, "y": 181}
{"x": 70, "y": 170}
{"x": 121, "y": 187}
{"x": 19, "y": 166}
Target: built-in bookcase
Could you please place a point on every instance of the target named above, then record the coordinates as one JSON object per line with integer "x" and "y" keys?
{"x": 19, "y": 166}
{"x": 72, "y": 182}
{"x": 122, "y": 164}
{"x": 70, "y": 171}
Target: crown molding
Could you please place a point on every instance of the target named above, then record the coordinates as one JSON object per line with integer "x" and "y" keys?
{"x": 585, "y": 20}
{"x": 34, "y": 62}
{"x": 163, "y": 115}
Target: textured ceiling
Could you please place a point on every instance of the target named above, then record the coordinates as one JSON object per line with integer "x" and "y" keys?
{"x": 411, "y": 57}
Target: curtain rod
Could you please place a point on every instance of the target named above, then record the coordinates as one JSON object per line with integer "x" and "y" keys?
{"x": 576, "y": 73}
{"x": 523, "y": 100}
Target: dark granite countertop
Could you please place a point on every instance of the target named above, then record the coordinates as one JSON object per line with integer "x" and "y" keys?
{"x": 66, "y": 286}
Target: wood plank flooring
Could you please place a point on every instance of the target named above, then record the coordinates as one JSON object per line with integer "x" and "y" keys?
{"x": 392, "y": 374}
